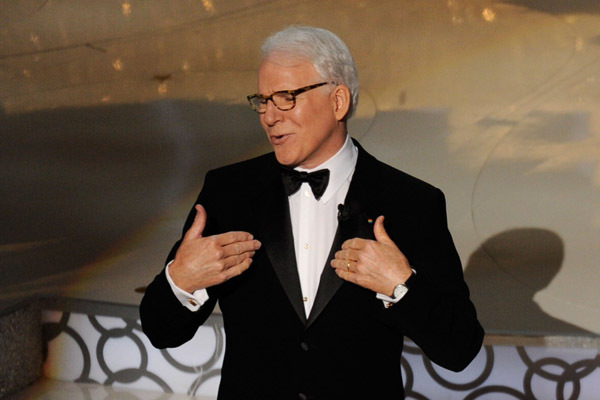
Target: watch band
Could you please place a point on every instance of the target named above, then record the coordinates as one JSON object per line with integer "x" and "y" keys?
{"x": 411, "y": 279}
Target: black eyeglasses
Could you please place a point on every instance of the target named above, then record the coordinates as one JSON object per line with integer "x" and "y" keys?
{"x": 284, "y": 99}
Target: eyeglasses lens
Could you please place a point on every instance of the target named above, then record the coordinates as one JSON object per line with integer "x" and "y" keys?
{"x": 282, "y": 101}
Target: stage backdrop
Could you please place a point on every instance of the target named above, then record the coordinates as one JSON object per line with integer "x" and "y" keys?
{"x": 111, "y": 113}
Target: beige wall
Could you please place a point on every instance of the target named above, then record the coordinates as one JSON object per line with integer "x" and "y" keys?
{"x": 111, "y": 112}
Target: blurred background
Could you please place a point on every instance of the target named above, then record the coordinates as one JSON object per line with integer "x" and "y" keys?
{"x": 111, "y": 113}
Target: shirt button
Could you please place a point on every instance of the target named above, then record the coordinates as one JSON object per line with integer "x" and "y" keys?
{"x": 193, "y": 302}
{"x": 307, "y": 193}
{"x": 307, "y": 246}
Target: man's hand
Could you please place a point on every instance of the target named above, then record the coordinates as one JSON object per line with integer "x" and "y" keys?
{"x": 377, "y": 265}
{"x": 202, "y": 262}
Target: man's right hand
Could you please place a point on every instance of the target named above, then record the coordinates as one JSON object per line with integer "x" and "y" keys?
{"x": 202, "y": 262}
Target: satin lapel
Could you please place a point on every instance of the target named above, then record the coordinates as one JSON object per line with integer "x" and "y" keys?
{"x": 363, "y": 213}
{"x": 275, "y": 233}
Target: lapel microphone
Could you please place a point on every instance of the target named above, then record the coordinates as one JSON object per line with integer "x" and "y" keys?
{"x": 343, "y": 212}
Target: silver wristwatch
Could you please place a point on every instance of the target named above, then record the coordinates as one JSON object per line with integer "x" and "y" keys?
{"x": 400, "y": 291}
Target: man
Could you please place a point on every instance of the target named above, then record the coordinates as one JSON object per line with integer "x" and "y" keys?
{"x": 316, "y": 291}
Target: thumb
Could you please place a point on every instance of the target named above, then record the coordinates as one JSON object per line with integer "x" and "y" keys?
{"x": 380, "y": 232}
{"x": 198, "y": 225}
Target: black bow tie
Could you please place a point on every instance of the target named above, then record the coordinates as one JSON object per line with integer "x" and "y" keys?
{"x": 292, "y": 180}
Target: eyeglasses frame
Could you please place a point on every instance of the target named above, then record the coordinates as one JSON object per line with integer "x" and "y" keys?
{"x": 293, "y": 93}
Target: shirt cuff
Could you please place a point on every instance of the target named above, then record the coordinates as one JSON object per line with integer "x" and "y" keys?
{"x": 193, "y": 301}
{"x": 387, "y": 300}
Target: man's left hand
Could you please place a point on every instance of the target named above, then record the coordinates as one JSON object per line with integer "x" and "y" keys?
{"x": 378, "y": 265}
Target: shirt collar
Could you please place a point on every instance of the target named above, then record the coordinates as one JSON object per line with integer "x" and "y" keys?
{"x": 340, "y": 166}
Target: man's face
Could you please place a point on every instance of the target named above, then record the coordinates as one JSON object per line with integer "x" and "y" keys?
{"x": 308, "y": 134}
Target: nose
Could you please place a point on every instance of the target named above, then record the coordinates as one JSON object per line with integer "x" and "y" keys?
{"x": 272, "y": 114}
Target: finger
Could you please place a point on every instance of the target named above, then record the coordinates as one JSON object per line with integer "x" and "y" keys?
{"x": 237, "y": 248}
{"x": 347, "y": 254}
{"x": 237, "y": 269}
{"x": 198, "y": 225}
{"x": 234, "y": 260}
{"x": 341, "y": 265}
{"x": 224, "y": 239}
{"x": 356, "y": 243}
{"x": 345, "y": 275}
{"x": 380, "y": 233}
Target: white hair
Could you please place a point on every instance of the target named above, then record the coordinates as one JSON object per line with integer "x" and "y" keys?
{"x": 325, "y": 50}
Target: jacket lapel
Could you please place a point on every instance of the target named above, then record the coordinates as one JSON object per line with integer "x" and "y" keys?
{"x": 275, "y": 232}
{"x": 362, "y": 214}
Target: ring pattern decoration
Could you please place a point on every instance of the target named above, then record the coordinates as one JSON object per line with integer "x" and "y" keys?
{"x": 113, "y": 351}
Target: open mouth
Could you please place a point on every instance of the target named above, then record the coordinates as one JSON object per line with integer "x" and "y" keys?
{"x": 279, "y": 139}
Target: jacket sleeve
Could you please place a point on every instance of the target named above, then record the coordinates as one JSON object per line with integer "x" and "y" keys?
{"x": 165, "y": 321}
{"x": 437, "y": 313}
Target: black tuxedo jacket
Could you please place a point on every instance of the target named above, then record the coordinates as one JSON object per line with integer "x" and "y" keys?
{"x": 350, "y": 345}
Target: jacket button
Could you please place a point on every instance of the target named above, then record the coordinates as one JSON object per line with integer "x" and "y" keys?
{"x": 304, "y": 346}
{"x": 302, "y": 396}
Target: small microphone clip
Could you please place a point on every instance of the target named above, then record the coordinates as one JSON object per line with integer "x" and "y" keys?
{"x": 343, "y": 212}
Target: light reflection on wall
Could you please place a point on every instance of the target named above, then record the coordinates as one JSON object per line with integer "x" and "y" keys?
{"x": 209, "y": 6}
{"x": 488, "y": 14}
{"x": 118, "y": 64}
{"x": 126, "y": 8}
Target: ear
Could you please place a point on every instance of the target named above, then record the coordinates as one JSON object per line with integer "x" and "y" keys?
{"x": 341, "y": 101}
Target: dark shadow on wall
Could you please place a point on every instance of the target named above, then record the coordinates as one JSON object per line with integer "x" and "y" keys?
{"x": 559, "y": 6}
{"x": 505, "y": 273}
{"x": 76, "y": 181}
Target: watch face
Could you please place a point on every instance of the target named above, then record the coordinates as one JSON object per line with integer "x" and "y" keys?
{"x": 400, "y": 291}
